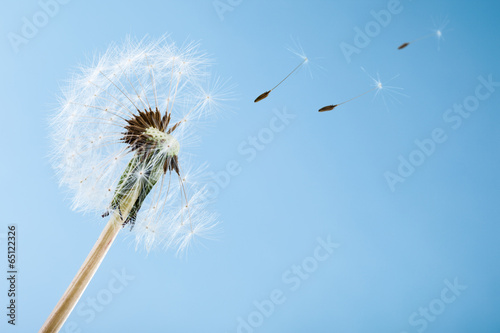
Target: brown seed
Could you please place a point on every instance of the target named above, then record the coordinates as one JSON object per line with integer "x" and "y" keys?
{"x": 262, "y": 96}
{"x": 402, "y": 46}
{"x": 327, "y": 108}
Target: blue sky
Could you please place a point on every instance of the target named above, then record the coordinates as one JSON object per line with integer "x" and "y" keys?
{"x": 315, "y": 238}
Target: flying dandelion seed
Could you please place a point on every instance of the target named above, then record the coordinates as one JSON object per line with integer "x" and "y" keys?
{"x": 437, "y": 33}
{"x": 119, "y": 138}
{"x": 331, "y": 107}
{"x": 265, "y": 94}
{"x": 378, "y": 87}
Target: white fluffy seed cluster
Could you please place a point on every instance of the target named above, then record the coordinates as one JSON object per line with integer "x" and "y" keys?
{"x": 90, "y": 156}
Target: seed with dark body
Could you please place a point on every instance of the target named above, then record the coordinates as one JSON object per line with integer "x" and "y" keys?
{"x": 262, "y": 96}
{"x": 402, "y": 46}
{"x": 327, "y": 108}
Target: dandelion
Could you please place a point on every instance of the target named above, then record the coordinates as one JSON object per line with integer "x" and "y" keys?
{"x": 378, "y": 87}
{"x": 437, "y": 32}
{"x": 333, "y": 106}
{"x": 265, "y": 94}
{"x": 120, "y": 136}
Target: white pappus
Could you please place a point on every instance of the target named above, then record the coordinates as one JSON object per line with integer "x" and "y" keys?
{"x": 121, "y": 133}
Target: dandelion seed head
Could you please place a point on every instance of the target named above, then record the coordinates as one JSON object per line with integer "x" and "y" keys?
{"x": 135, "y": 106}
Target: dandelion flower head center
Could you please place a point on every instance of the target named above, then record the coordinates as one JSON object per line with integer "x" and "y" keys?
{"x": 170, "y": 145}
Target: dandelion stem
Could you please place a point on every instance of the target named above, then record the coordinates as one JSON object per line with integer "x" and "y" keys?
{"x": 80, "y": 282}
